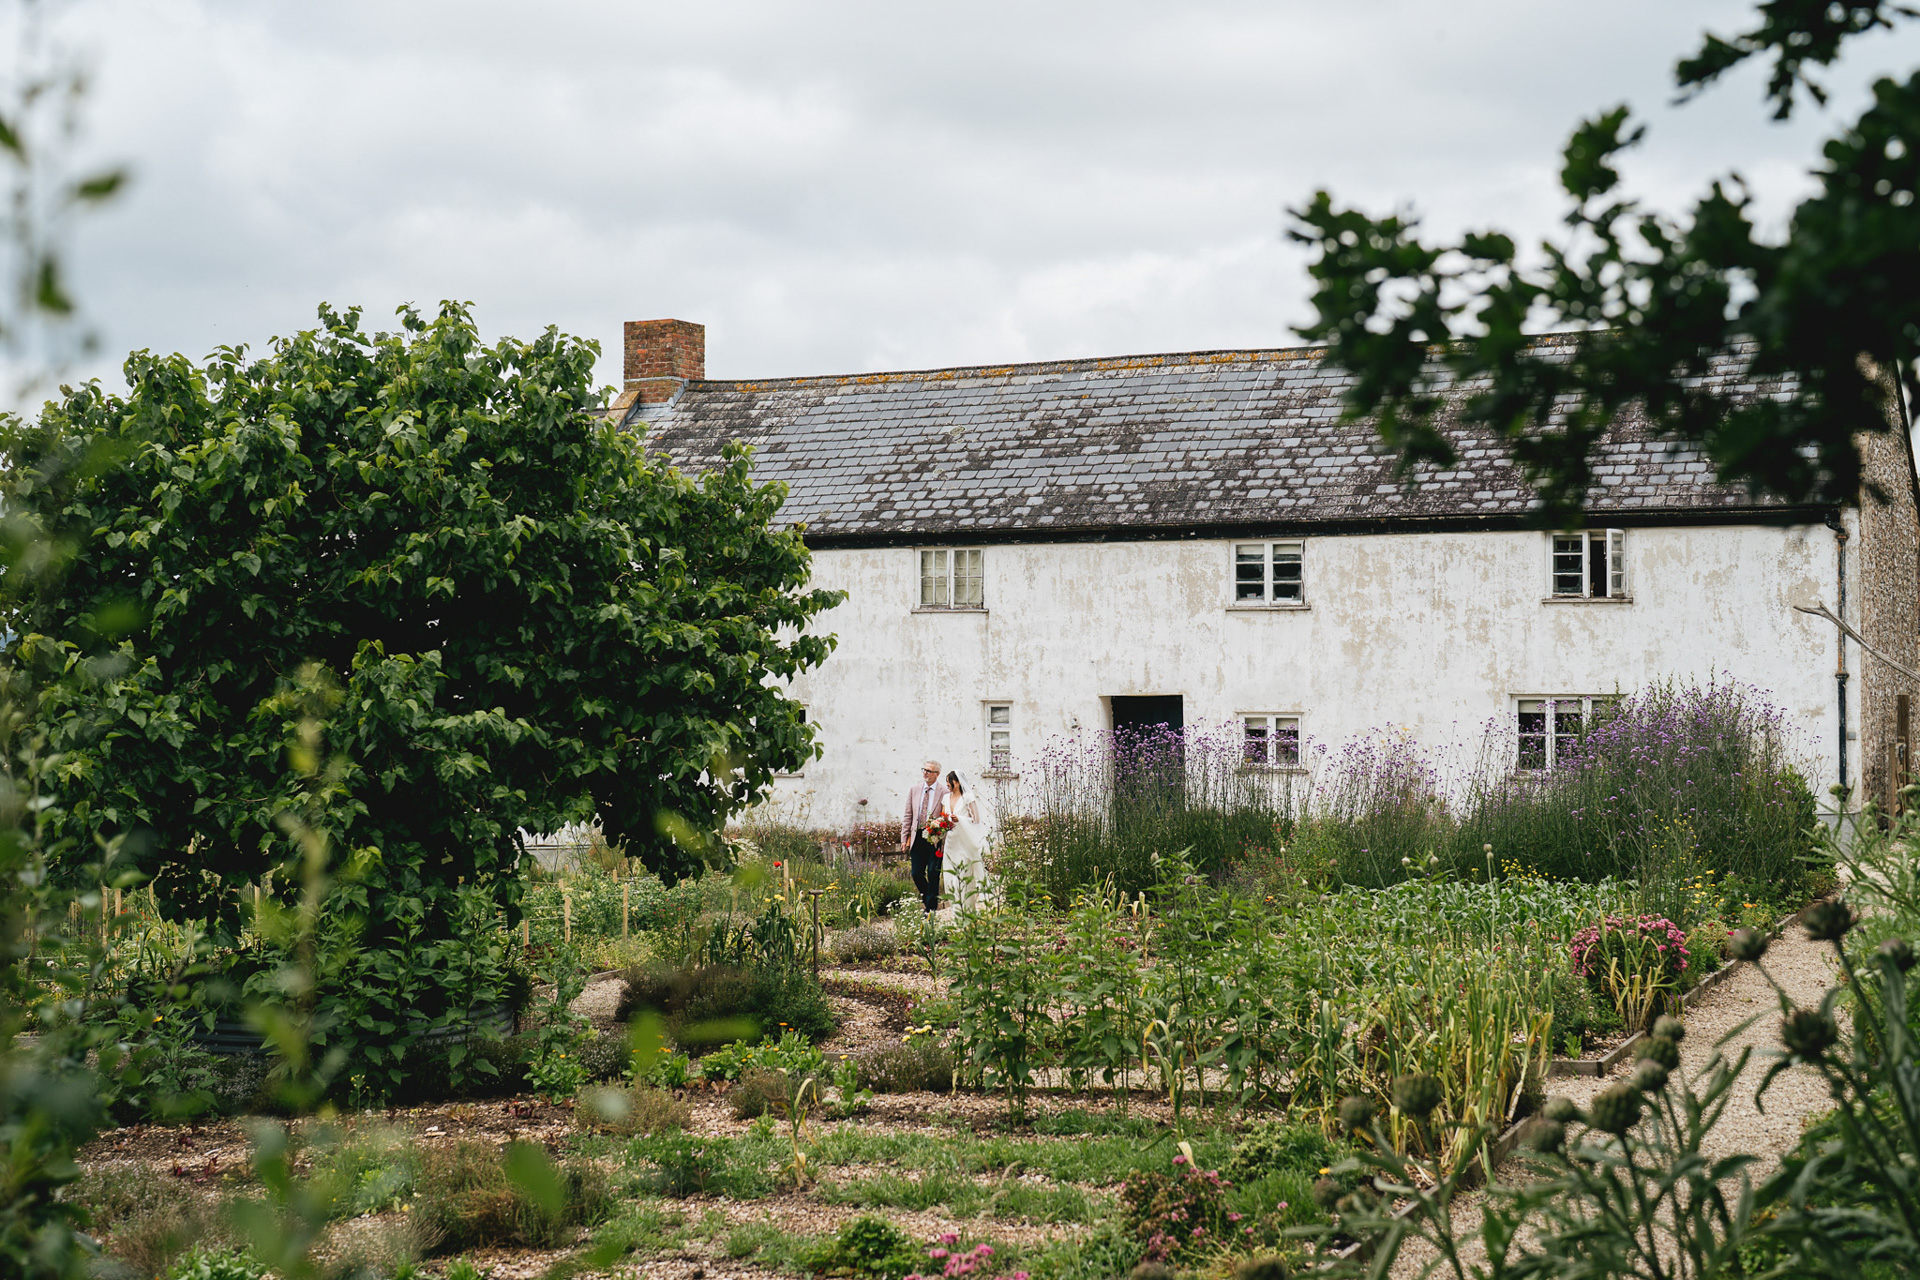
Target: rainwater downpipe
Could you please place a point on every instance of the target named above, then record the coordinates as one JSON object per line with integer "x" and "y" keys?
{"x": 1840, "y": 669}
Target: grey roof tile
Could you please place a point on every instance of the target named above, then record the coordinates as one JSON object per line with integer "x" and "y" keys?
{"x": 1121, "y": 445}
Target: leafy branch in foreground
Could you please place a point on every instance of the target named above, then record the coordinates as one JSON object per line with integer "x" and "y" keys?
{"x": 1662, "y": 308}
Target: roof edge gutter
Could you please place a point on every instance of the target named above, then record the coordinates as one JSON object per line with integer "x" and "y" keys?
{"x": 1772, "y": 516}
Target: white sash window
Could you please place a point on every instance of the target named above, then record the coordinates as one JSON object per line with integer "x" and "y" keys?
{"x": 1269, "y": 573}
{"x": 953, "y": 578}
{"x": 1590, "y": 565}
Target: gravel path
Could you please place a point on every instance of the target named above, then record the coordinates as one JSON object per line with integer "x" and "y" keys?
{"x": 1805, "y": 970}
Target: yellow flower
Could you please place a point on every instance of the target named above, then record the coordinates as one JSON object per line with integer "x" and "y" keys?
{"x": 1325, "y": 1171}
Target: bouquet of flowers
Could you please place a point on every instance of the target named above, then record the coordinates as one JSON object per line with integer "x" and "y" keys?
{"x": 936, "y": 830}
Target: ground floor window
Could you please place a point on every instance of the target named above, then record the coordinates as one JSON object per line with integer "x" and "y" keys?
{"x": 1269, "y": 739}
{"x": 999, "y": 726}
{"x": 1549, "y": 727}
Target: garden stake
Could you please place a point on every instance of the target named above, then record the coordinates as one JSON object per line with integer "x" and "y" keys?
{"x": 626, "y": 891}
{"x": 526, "y": 933}
{"x": 566, "y": 916}
{"x": 813, "y": 902}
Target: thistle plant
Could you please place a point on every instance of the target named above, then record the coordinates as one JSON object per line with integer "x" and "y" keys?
{"x": 1622, "y": 1188}
{"x": 1851, "y": 1193}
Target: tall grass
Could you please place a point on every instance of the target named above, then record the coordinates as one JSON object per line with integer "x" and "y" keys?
{"x": 1679, "y": 774}
{"x": 1672, "y": 782}
{"x": 1109, "y": 805}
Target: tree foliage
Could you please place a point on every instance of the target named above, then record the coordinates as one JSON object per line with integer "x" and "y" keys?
{"x": 1830, "y": 313}
{"x": 524, "y": 619}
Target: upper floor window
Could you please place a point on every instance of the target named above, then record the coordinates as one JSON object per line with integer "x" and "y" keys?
{"x": 952, "y": 579}
{"x": 1269, "y": 573}
{"x": 1549, "y": 727}
{"x": 1590, "y": 565}
{"x": 1270, "y": 739}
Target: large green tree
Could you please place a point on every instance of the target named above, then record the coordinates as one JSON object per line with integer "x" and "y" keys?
{"x": 1830, "y": 312}
{"x": 510, "y": 614}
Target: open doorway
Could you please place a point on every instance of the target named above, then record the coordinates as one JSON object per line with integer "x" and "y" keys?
{"x": 1144, "y": 715}
{"x": 1149, "y": 754}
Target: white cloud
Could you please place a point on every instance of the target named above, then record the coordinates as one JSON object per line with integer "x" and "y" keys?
{"x": 845, "y": 185}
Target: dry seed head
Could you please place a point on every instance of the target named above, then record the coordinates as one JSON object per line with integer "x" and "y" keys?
{"x": 1658, "y": 1049}
{"x": 1268, "y": 1268}
{"x": 1827, "y": 921}
{"x": 1649, "y": 1076}
{"x": 1669, "y": 1028}
{"x": 1327, "y": 1193}
{"x": 1808, "y": 1033}
{"x": 1746, "y": 944}
{"x": 1545, "y": 1135}
{"x": 1616, "y": 1109}
{"x": 1417, "y": 1095}
{"x": 1355, "y": 1111}
{"x": 1895, "y": 953}
{"x": 1561, "y": 1108}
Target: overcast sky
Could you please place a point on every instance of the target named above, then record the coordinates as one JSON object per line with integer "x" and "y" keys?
{"x": 836, "y": 186}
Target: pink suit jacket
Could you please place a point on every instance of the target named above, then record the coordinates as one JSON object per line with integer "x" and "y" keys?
{"x": 911, "y": 822}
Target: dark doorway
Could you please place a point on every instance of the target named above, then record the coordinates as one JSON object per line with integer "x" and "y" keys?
{"x": 1143, "y": 715}
{"x": 1149, "y": 758}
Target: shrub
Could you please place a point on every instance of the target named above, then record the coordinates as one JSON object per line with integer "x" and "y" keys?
{"x": 637, "y": 1109}
{"x": 1707, "y": 946}
{"x": 1106, "y": 804}
{"x": 921, "y": 1066}
{"x": 711, "y": 1004}
{"x": 868, "y": 1246}
{"x": 758, "y": 1092}
{"x": 1578, "y": 1012}
{"x": 870, "y": 941}
{"x": 789, "y": 1053}
{"x": 1275, "y": 1146}
{"x": 691, "y": 1165}
{"x": 462, "y": 1197}
{"x": 148, "y": 1217}
{"x": 464, "y": 1200}
{"x": 1377, "y": 801}
{"x": 604, "y": 1054}
{"x": 1714, "y": 763}
{"x": 1638, "y": 961}
{"x": 205, "y": 1265}
{"x": 1176, "y": 1215}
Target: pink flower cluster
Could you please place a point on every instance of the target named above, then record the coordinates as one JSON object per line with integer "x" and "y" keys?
{"x": 956, "y": 1263}
{"x": 1668, "y": 939}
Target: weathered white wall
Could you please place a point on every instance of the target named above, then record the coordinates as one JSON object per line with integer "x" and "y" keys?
{"x": 1437, "y": 633}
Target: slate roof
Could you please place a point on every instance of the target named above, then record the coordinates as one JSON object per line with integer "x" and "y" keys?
{"x": 1134, "y": 447}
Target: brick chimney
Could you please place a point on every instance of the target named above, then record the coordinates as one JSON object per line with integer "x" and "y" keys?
{"x": 663, "y": 356}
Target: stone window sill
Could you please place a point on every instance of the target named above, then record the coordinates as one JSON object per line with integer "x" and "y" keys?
{"x": 1269, "y": 608}
{"x": 936, "y": 609}
{"x": 1586, "y": 599}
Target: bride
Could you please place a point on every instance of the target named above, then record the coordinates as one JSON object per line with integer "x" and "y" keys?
{"x": 974, "y": 826}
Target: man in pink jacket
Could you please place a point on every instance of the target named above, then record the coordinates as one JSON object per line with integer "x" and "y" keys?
{"x": 923, "y": 803}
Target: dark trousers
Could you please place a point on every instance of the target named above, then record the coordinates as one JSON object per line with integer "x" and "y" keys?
{"x": 926, "y": 871}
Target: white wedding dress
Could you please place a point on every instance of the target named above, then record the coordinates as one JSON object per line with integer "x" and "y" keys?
{"x": 965, "y": 859}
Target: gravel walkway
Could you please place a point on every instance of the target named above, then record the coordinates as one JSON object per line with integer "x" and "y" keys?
{"x": 1805, "y": 970}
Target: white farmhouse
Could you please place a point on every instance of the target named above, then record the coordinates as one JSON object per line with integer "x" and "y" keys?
{"x": 1033, "y": 550}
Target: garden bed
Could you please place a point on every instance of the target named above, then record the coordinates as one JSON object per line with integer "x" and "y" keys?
{"x": 1622, "y": 1050}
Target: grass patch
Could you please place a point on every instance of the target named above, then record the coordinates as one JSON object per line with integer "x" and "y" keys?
{"x": 148, "y": 1217}
{"x": 1095, "y": 1161}
{"x": 1024, "y": 1201}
